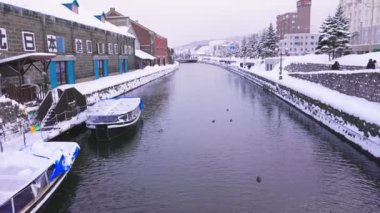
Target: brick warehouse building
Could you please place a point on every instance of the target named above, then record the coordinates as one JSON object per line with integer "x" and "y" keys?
{"x": 295, "y": 22}
{"x": 86, "y": 45}
{"x": 146, "y": 39}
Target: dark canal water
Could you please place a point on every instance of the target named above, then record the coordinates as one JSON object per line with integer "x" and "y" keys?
{"x": 178, "y": 160}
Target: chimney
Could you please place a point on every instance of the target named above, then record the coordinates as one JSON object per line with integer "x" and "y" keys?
{"x": 113, "y": 9}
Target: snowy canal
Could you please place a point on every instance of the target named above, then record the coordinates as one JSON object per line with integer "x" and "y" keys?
{"x": 206, "y": 136}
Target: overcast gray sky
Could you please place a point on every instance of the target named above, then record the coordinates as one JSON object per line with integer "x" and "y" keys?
{"x": 184, "y": 21}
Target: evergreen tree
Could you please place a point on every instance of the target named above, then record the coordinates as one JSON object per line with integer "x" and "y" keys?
{"x": 324, "y": 41}
{"x": 270, "y": 45}
{"x": 243, "y": 46}
{"x": 260, "y": 44}
{"x": 244, "y": 42}
{"x": 334, "y": 36}
{"x": 341, "y": 32}
{"x": 251, "y": 46}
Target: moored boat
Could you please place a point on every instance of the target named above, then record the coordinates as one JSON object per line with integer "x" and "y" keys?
{"x": 30, "y": 176}
{"x": 110, "y": 118}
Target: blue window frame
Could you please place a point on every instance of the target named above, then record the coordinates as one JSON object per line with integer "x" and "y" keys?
{"x": 61, "y": 44}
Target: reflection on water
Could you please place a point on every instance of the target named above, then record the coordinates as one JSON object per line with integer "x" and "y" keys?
{"x": 179, "y": 160}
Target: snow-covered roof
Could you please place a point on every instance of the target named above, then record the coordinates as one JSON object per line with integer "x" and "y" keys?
{"x": 19, "y": 168}
{"x": 128, "y": 30}
{"x": 57, "y": 9}
{"x": 125, "y": 28}
{"x": 68, "y": 1}
{"x": 117, "y": 106}
{"x": 31, "y": 56}
{"x": 143, "y": 55}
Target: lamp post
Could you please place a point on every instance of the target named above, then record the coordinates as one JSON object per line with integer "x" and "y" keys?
{"x": 2, "y": 134}
{"x": 244, "y": 54}
{"x": 280, "y": 77}
{"x": 281, "y": 65}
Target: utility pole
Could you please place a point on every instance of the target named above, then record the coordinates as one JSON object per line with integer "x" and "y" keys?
{"x": 280, "y": 76}
{"x": 1, "y": 135}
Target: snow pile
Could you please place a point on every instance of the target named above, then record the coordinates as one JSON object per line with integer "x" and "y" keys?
{"x": 3, "y": 99}
{"x": 359, "y": 60}
{"x": 143, "y": 55}
{"x": 349, "y": 60}
{"x": 56, "y": 9}
{"x": 115, "y": 106}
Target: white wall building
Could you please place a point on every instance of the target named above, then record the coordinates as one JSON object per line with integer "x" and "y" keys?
{"x": 203, "y": 51}
{"x": 364, "y": 18}
{"x": 299, "y": 44}
{"x": 218, "y": 48}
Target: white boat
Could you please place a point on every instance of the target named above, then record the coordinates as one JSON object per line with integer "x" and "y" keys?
{"x": 28, "y": 177}
{"x": 111, "y": 117}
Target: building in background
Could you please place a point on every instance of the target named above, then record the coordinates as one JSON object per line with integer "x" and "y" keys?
{"x": 86, "y": 46}
{"x": 218, "y": 48}
{"x": 146, "y": 39}
{"x": 298, "y": 43}
{"x": 364, "y": 16}
{"x": 222, "y": 48}
{"x": 295, "y": 22}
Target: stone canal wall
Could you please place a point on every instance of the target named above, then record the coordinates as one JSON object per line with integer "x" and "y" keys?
{"x": 362, "y": 134}
{"x": 363, "y": 85}
{"x": 311, "y": 67}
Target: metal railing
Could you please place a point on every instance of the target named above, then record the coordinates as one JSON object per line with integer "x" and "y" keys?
{"x": 67, "y": 115}
{"x": 27, "y": 92}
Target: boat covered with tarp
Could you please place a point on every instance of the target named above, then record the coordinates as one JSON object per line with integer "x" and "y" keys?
{"x": 29, "y": 176}
{"x": 110, "y": 118}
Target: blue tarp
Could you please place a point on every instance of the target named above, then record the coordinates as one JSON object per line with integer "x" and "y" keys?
{"x": 60, "y": 167}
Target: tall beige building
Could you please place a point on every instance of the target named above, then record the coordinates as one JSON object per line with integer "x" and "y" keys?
{"x": 364, "y": 18}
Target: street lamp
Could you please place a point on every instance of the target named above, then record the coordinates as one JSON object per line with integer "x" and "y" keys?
{"x": 280, "y": 77}
{"x": 281, "y": 54}
{"x": 2, "y": 134}
{"x": 244, "y": 54}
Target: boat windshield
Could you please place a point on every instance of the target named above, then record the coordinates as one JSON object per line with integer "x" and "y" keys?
{"x": 103, "y": 119}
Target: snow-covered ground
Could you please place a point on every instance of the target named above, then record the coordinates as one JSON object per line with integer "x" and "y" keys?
{"x": 3, "y": 99}
{"x": 358, "y": 107}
